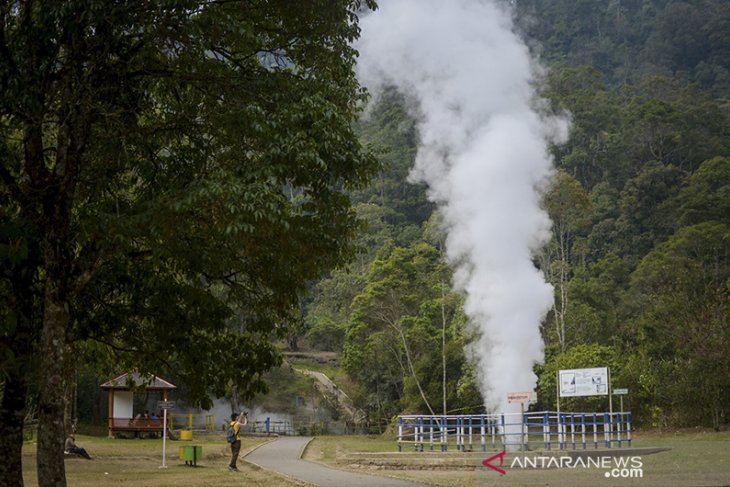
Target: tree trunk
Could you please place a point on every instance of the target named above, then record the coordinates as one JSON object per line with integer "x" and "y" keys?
{"x": 51, "y": 434}
{"x": 58, "y": 266}
{"x": 69, "y": 394}
{"x": 563, "y": 288}
{"x": 18, "y": 372}
{"x": 12, "y": 414}
{"x": 413, "y": 370}
{"x": 443, "y": 349}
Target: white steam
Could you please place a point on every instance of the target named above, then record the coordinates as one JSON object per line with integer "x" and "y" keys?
{"x": 483, "y": 154}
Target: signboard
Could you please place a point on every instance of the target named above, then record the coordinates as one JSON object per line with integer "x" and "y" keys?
{"x": 583, "y": 382}
{"x": 620, "y": 392}
{"x": 166, "y": 404}
{"x": 520, "y": 397}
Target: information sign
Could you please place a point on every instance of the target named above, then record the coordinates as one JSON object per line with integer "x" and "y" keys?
{"x": 521, "y": 397}
{"x": 583, "y": 382}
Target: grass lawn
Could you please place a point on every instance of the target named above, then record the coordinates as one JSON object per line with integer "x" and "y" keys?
{"x": 696, "y": 459}
{"x": 137, "y": 463}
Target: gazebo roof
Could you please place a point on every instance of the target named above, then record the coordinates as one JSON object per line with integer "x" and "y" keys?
{"x": 135, "y": 379}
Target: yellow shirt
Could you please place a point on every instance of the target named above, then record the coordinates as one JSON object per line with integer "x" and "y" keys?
{"x": 236, "y": 429}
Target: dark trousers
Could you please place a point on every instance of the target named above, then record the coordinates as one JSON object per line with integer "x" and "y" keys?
{"x": 235, "y": 450}
{"x": 79, "y": 451}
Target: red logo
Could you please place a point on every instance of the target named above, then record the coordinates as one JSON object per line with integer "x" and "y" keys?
{"x": 500, "y": 455}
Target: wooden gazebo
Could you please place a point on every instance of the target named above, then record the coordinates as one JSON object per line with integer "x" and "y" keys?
{"x": 120, "y": 392}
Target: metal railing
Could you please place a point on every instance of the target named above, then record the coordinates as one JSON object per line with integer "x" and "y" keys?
{"x": 191, "y": 421}
{"x": 534, "y": 430}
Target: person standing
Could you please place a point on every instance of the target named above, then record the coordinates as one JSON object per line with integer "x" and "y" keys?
{"x": 237, "y": 422}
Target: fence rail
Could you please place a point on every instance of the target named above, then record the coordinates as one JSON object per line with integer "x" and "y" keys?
{"x": 544, "y": 429}
{"x": 191, "y": 421}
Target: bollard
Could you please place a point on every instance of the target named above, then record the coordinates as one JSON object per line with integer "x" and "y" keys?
{"x": 470, "y": 432}
{"x": 504, "y": 433}
{"x": 483, "y": 434}
{"x": 430, "y": 433}
{"x": 572, "y": 430}
{"x": 444, "y": 434}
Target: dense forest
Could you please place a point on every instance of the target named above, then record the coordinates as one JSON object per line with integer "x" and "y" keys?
{"x": 640, "y": 203}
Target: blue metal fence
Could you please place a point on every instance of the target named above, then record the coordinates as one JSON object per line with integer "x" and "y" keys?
{"x": 534, "y": 430}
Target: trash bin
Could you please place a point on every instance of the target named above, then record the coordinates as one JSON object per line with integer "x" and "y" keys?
{"x": 186, "y": 435}
{"x": 190, "y": 454}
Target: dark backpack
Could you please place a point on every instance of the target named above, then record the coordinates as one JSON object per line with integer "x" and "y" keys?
{"x": 231, "y": 434}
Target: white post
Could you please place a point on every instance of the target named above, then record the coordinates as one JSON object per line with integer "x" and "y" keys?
{"x": 557, "y": 387}
{"x": 444, "y": 432}
{"x": 415, "y": 434}
{"x": 430, "y": 433}
{"x": 620, "y": 418}
{"x": 483, "y": 433}
{"x": 610, "y": 409}
{"x": 522, "y": 420}
{"x": 164, "y": 438}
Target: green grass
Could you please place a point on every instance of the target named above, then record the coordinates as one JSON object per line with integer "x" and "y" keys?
{"x": 696, "y": 459}
{"x": 327, "y": 449}
{"x": 335, "y": 373}
{"x": 137, "y": 463}
{"x": 284, "y": 385}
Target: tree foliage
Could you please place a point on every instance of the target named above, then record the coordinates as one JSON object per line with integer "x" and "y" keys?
{"x": 404, "y": 323}
{"x": 684, "y": 286}
{"x": 629, "y": 40}
{"x": 642, "y": 179}
{"x": 149, "y": 155}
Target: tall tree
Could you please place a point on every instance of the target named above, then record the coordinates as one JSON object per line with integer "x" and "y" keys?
{"x": 684, "y": 327}
{"x": 145, "y": 149}
{"x": 402, "y": 323}
{"x": 569, "y": 208}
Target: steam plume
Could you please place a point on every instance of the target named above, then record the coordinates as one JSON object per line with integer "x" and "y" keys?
{"x": 483, "y": 154}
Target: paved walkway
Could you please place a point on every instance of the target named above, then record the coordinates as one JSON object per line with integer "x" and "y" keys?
{"x": 284, "y": 456}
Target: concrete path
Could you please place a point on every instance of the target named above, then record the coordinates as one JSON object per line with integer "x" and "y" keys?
{"x": 284, "y": 456}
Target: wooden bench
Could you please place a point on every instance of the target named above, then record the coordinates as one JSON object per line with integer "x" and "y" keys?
{"x": 137, "y": 425}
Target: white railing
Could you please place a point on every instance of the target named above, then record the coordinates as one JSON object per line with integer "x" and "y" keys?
{"x": 512, "y": 431}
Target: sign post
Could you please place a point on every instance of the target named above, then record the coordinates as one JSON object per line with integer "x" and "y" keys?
{"x": 621, "y": 393}
{"x": 583, "y": 382}
{"x": 522, "y": 398}
{"x": 164, "y": 405}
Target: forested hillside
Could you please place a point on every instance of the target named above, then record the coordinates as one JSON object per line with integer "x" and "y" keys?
{"x": 640, "y": 203}
{"x": 630, "y": 40}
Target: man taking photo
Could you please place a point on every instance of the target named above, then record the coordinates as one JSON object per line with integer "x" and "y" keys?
{"x": 237, "y": 422}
